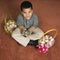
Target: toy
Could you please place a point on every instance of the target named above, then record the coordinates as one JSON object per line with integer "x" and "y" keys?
{"x": 46, "y": 41}
{"x": 26, "y": 33}
{"x": 9, "y": 26}
{"x": 42, "y": 48}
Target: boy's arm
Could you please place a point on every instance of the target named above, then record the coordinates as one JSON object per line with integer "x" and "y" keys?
{"x": 22, "y": 28}
{"x": 35, "y": 23}
{"x": 20, "y": 22}
{"x": 31, "y": 28}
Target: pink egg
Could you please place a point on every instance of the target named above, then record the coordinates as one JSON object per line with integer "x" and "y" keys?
{"x": 42, "y": 49}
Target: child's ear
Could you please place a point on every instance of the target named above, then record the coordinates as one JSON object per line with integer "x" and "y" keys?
{"x": 21, "y": 12}
{"x": 32, "y": 11}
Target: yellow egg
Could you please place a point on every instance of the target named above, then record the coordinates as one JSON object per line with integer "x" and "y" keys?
{"x": 11, "y": 26}
{"x": 43, "y": 42}
{"x": 46, "y": 40}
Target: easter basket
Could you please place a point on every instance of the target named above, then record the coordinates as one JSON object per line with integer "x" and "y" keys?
{"x": 46, "y": 41}
{"x": 9, "y": 25}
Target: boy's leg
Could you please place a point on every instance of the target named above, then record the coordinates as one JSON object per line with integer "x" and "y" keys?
{"x": 37, "y": 34}
{"x": 19, "y": 38}
{"x": 34, "y": 43}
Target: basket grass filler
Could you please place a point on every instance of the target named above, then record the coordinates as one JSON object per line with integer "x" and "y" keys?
{"x": 46, "y": 41}
{"x": 9, "y": 25}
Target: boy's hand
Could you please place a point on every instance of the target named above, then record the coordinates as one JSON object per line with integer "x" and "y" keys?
{"x": 22, "y": 28}
{"x": 31, "y": 28}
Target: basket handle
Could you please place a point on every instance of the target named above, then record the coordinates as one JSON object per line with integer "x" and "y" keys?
{"x": 51, "y": 30}
{"x": 8, "y": 14}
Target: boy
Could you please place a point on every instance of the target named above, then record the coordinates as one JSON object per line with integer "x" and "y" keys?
{"x": 27, "y": 21}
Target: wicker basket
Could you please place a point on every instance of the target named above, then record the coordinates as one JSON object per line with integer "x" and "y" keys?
{"x": 46, "y": 39}
{"x": 9, "y": 25}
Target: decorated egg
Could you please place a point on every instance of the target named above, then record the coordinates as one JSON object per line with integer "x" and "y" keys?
{"x": 42, "y": 48}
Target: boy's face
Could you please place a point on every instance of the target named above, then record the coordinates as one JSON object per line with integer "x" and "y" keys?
{"x": 27, "y": 13}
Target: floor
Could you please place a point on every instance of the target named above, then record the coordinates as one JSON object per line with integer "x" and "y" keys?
{"x": 49, "y": 17}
